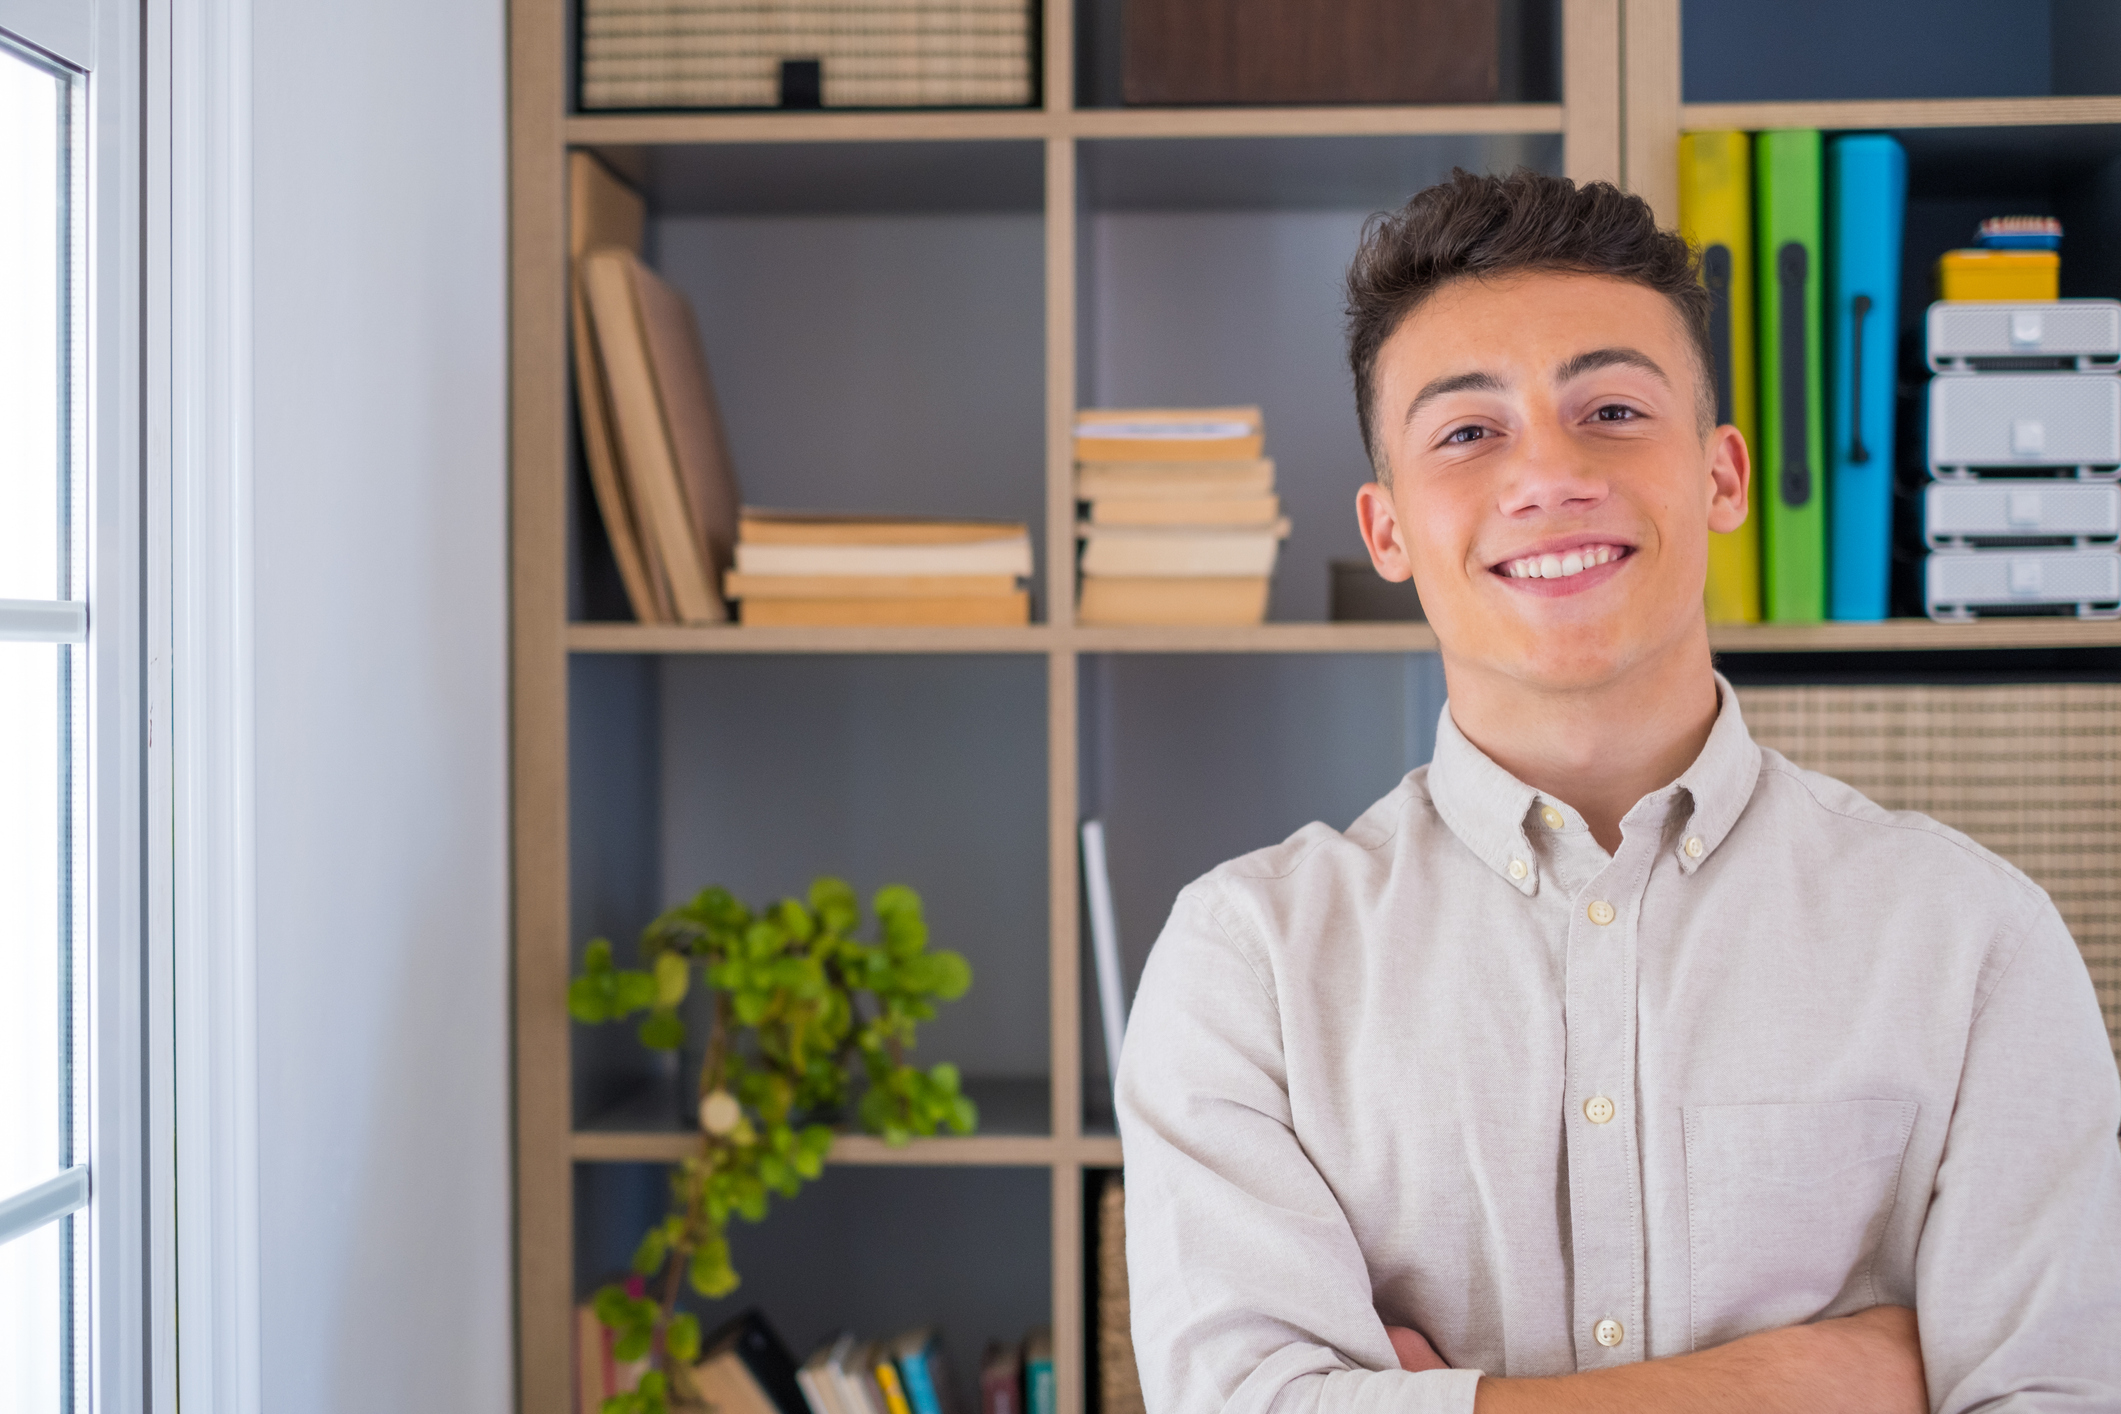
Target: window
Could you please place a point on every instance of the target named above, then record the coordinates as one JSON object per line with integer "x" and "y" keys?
{"x": 43, "y": 673}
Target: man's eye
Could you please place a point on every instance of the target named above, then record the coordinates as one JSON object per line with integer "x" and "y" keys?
{"x": 1461, "y": 436}
{"x": 1615, "y": 412}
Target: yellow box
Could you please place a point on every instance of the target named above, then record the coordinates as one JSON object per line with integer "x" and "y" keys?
{"x": 2031, "y": 276}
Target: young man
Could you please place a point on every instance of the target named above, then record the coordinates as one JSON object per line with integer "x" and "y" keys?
{"x": 1611, "y": 1062}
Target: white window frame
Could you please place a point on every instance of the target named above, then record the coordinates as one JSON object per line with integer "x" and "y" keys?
{"x": 172, "y": 996}
{"x": 201, "y": 884}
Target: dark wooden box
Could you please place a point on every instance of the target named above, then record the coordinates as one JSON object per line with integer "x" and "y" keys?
{"x": 1311, "y": 51}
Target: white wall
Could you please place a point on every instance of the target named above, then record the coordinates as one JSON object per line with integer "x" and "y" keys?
{"x": 381, "y": 704}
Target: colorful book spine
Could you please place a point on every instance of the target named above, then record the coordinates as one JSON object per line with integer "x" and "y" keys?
{"x": 1787, "y": 170}
{"x": 1039, "y": 1397}
{"x": 917, "y": 1372}
{"x": 888, "y": 1381}
{"x": 1716, "y": 217}
{"x": 1866, "y": 196}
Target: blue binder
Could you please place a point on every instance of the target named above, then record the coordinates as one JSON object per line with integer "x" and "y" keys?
{"x": 1866, "y": 201}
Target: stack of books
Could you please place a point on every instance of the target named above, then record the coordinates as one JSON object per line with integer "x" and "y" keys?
{"x": 1182, "y": 525}
{"x": 806, "y": 53}
{"x": 745, "y": 1368}
{"x": 801, "y": 568}
{"x": 908, "y": 1375}
{"x": 651, "y": 430}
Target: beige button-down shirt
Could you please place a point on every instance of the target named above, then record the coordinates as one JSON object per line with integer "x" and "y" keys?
{"x": 1785, "y": 1055}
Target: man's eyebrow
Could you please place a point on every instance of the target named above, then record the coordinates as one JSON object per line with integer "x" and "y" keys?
{"x": 1476, "y": 381}
{"x": 1596, "y": 359}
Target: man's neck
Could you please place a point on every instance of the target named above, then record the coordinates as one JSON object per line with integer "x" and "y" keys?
{"x": 1602, "y": 748}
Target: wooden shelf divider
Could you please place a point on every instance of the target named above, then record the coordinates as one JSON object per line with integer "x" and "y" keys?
{"x": 1896, "y": 635}
{"x": 1042, "y": 124}
{"x": 1904, "y": 113}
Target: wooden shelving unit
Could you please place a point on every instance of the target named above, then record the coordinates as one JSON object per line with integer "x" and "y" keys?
{"x": 1620, "y": 118}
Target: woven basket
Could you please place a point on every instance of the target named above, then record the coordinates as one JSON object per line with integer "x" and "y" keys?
{"x": 2034, "y": 773}
{"x": 1119, "y": 1382}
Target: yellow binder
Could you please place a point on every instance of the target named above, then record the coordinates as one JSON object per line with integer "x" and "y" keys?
{"x": 1716, "y": 217}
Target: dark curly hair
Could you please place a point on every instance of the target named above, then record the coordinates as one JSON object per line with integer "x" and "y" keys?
{"x": 1470, "y": 226}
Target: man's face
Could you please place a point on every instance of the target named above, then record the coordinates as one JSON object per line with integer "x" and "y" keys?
{"x": 1552, "y": 492}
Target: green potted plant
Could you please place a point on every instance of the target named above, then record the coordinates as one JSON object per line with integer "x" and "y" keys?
{"x": 805, "y": 1017}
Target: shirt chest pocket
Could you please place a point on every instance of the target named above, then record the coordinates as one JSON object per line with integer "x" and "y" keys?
{"x": 1786, "y": 1206}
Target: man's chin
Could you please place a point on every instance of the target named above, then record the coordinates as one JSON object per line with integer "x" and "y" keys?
{"x": 1553, "y": 657}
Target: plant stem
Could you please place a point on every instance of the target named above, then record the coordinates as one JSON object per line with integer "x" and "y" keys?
{"x": 717, "y": 1047}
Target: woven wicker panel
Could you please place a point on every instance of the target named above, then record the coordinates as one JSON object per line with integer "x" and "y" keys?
{"x": 2034, "y": 773}
{"x": 1119, "y": 1383}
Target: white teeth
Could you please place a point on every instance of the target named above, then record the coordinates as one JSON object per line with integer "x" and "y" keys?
{"x": 1561, "y": 566}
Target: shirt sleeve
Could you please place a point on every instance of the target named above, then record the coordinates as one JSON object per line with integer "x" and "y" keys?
{"x": 2018, "y": 1275}
{"x": 1248, "y": 1291}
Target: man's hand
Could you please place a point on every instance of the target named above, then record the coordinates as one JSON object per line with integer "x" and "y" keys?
{"x": 1868, "y": 1363}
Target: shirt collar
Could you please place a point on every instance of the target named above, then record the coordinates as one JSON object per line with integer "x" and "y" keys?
{"x": 1491, "y": 811}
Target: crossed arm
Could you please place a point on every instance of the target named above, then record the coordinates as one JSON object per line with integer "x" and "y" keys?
{"x": 1869, "y": 1363}
{"x": 1251, "y": 1293}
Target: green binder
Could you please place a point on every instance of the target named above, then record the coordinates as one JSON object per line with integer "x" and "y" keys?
{"x": 1789, "y": 480}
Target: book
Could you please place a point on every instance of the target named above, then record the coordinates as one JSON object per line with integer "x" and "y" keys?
{"x": 1001, "y": 1379}
{"x": 1310, "y": 51}
{"x": 1007, "y": 556}
{"x": 1866, "y": 196}
{"x": 1168, "y": 434}
{"x": 1127, "y": 550}
{"x": 672, "y": 534}
{"x": 744, "y": 1368}
{"x": 1132, "y": 601}
{"x": 1118, "y": 1377}
{"x": 729, "y": 1387}
{"x": 598, "y": 1373}
{"x": 1104, "y": 945}
{"x": 1038, "y": 1372}
{"x": 1193, "y": 510}
{"x": 1716, "y": 217}
{"x": 603, "y": 211}
{"x": 859, "y": 1391}
{"x": 1790, "y": 475}
{"x": 763, "y": 527}
{"x": 819, "y": 1378}
{"x": 887, "y": 1380}
{"x": 923, "y": 1371}
{"x": 691, "y": 417}
{"x": 738, "y": 585}
{"x": 970, "y": 611}
{"x": 1163, "y": 481}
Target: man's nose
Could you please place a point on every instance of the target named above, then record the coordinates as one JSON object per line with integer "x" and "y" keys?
{"x": 1549, "y": 473}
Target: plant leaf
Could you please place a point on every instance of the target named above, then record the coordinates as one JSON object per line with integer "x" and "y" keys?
{"x": 663, "y": 1031}
{"x": 682, "y": 1338}
{"x": 673, "y": 975}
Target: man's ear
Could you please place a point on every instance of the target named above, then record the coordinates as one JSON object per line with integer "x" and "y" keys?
{"x": 1379, "y": 520}
{"x": 1731, "y": 479}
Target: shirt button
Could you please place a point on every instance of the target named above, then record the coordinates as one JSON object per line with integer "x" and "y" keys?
{"x": 1598, "y": 1109}
{"x": 1609, "y": 1333}
{"x": 1552, "y": 816}
{"x": 1694, "y": 847}
{"x": 1518, "y": 869}
{"x": 1600, "y": 912}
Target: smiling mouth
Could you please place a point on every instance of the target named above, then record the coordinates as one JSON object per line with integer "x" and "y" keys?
{"x": 1562, "y": 566}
